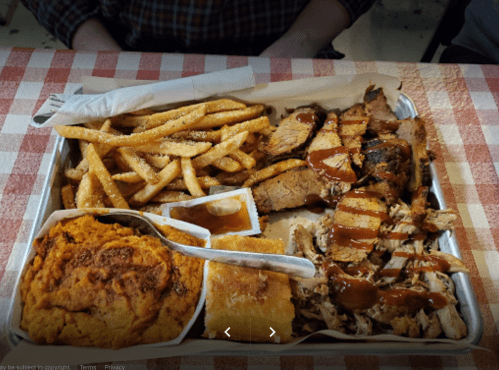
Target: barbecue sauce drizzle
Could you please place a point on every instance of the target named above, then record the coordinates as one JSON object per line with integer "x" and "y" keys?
{"x": 309, "y": 118}
{"x": 359, "y": 294}
{"x": 315, "y": 160}
{"x": 350, "y": 236}
{"x": 348, "y": 122}
{"x": 316, "y": 204}
{"x": 405, "y": 149}
{"x": 438, "y": 264}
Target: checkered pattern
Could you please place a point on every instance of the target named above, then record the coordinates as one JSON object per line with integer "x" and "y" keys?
{"x": 459, "y": 102}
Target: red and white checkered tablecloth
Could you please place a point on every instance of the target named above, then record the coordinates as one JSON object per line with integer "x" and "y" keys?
{"x": 459, "y": 102}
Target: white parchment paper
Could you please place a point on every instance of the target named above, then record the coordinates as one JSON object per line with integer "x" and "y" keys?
{"x": 81, "y": 108}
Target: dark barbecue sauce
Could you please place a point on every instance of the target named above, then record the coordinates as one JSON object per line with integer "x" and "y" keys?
{"x": 357, "y": 270}
{"x": 437, "y": 264}
{"x": 315, "y": 160}
{"x": 405, "y": 149}
{"x": 358, "y": 294}
{"x": 352, "y": 236}
{"x": 349, "y": 122}
{"x": 309, "y": 118}
{"x": 366, "y": 212}
{"x": 200, "y": 216}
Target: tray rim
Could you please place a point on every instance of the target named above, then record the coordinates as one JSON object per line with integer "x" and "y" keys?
{"x": 406, "y": 107}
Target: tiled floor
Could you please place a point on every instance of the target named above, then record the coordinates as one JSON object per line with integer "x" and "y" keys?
{"x": 392, "y": 30}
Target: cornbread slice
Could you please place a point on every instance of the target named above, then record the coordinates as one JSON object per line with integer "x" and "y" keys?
{"x": 249, "y": 301}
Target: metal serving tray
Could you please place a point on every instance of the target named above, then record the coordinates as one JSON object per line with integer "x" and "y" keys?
{"x": 468, "y": 306}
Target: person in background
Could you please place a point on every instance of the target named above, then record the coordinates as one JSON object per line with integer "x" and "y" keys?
{"x": 478, "y": 40}
{"x": 285, "y": 28}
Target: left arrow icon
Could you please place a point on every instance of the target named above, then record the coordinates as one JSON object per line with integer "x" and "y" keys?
{"x": 227, "y": 331}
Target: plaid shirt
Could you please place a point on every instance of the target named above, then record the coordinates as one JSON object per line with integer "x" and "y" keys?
{"x": 242, "y": 27}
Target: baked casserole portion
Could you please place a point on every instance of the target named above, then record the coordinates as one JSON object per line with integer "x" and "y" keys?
{"x": 247, "y": 300}
{"x": 93, "y": 284}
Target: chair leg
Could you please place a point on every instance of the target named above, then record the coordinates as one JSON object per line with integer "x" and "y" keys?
{"x": 5, "y": 21}
{"x": 453, "y": 8}
{"x": 431, "y": 50}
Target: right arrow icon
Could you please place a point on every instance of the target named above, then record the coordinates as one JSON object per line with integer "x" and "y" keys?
{"x": 273, "y": 331}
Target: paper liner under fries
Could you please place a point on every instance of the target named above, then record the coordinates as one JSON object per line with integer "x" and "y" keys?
{"x": 331, "y": 92}
{"x": 54, "y": 218}
{"x": 77, "y": 109}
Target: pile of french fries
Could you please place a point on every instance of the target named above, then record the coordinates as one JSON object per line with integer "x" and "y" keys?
{"x": 143, "y": 159}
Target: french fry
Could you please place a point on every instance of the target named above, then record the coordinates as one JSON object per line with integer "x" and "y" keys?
{"x": 143, "y": 172}
{"x": 171, "y": 147}
{"x": 214, "y": 106}
{"x": 189, "y": 175}
{"x": 221, "y": 105}
{"x": 204, "y": 182}
{"x": 133, "y": 140}
{"x": 257, "y": 155}
{"x": 273, "y": 171}
{"x": 82, "y": 167}
{"x": 238, "y": 178}
{"x": 254, "y": 125}
{"x": 90, "y": 193}
{"x": 77, "y": 173}
{"x": 120, "y": 162}
{"x": 170, "y": 196}
{"x": 94, "y": 125}
{"x": 211, "y": 136}
{"x": 227, "y": 164}
{"x": 68, "y": 197}
{"x": 141, "y": 112}
{"x": 157, "y": 160}
{"x": 106, "y": 126}
{"x": 246, "y": 160}
{"x": 220, "y": 150}
{"x": 251, "y": 143}
{"x": 166, "y": 175}
{"x": 139, "y": 165}
{"x": 160, "y": 118}
{"x": 154, "y": 208}
{"x": 129, "y": 189}
{"x": 227, "y": 118}
{"x": 131, "y": 120}
{"x": 268, "y": 130}
{"x": 83, "y": 144}
{"x": 131, "y": 177}
{"x": 110, "y": 188}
